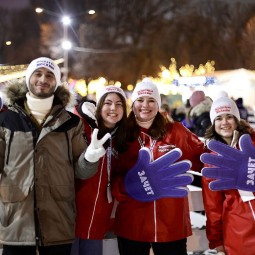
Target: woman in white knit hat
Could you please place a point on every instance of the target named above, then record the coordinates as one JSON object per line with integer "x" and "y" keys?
{"x": 230, "y": 225}
{"x": 158, "y": 222}
{"x": 94, "y": 201}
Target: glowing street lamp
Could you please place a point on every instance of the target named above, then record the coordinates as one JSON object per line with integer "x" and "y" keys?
{"x": 91, "y": 12}
{"x": 66, "y": 44}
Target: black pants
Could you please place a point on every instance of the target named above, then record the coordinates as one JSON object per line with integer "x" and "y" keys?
{"x": 63, "y": 249}
{"x": 130, "y": 247}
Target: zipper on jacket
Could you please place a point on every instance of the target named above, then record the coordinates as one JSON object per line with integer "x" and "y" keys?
{"x": 38, "y": 236}
{"x": 68, "y": 148}
{"x": 35, "y": 134}
{"x": 9, "y": 148}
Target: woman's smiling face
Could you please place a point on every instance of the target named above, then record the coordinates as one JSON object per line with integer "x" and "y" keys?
{"x": 145, "y": 108}
{"x": 225, "y": 125}
{"x": 112, "y": 110}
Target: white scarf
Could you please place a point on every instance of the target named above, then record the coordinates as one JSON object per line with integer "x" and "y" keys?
{"x": 39, "y": 107}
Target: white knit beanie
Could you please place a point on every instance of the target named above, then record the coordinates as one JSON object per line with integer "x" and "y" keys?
{"x": 110, "y": 89}
{"x": 221, "y": 93}
{"x": 223, "y": 105}
{"x": 46, "y": 63}
{"x": 146, "y": 88}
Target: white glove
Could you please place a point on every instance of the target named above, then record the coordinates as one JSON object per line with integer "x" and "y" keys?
{"x": 96, "y": 149}
{"x": 89, "y": 109}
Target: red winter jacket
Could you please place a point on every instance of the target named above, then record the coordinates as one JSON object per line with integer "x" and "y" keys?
{"x": 94, "y": 210}
{"x": 230, "y": 221}
{"x": 166, "y": 219}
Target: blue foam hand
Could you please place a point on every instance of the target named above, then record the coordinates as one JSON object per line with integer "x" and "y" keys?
{"x": 232, "y": 168}
{"x": 148, "y": 181}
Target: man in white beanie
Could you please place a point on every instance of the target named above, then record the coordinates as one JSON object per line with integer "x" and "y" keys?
{"x": 43, "y": 62}
{"x": 42, "y": 80}
{"x": 42, "y": 150}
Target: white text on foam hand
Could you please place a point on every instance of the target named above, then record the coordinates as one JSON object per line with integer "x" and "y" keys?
{"x": 251, "y": 171}
{"x": 145, "y": 182}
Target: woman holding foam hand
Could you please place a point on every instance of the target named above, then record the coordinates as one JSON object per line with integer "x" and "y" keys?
{"x": 230, "y": 212}
{"x": 149, "y": 214}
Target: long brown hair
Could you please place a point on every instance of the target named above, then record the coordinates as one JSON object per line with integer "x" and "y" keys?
{"x": 121, "y": 126}
{"x": 243, "y": 127}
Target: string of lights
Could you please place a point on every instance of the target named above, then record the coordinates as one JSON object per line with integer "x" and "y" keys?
{"x": 186, "y": 75}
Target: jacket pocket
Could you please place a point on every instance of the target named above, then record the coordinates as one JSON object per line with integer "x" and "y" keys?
{"x": 11, "y": 194}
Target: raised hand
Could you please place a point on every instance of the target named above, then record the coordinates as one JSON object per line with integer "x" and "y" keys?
{"x": 96, "y": 149}
{"x": 232, "y": 168}
{"x": 148, "y": 181}
{"x": 88, "y": 109}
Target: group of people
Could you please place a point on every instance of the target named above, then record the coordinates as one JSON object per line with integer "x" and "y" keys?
{"x": 67, "y": 179}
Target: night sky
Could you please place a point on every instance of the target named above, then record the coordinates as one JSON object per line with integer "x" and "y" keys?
{"x": 14, "y": 3}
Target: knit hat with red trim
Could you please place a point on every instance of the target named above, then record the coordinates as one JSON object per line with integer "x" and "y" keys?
{"x": 221, "y": 93}
{"x": 110, "y": 89}
{"x": 146, "y": 88}
{"x": 223, "y": 105}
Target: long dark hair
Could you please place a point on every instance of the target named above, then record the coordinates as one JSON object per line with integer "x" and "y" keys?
{"x": 156, "y": 131}
{"x": 243, "y": 127}
{"x": 121, "y": 126}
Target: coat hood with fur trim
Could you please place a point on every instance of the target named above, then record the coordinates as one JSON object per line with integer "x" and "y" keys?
{"x": 200, "y": 108}
{"x": 16, "y": 90}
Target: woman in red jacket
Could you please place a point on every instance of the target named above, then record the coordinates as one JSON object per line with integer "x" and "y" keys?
{"x": 164, "y": 223}
{"x": 94, "y": 202}
{"x": 230, "y": 225}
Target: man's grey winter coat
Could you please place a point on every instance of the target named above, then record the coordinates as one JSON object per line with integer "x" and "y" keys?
{"x": 37, "y": 171}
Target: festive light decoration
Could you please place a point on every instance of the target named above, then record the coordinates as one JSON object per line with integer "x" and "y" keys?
{"x": 177, "y": 77}
{"x": 12, "y": 72}
{"x": 192, "y": 77}
{"x": 84, "y": 89}
{"x": 186, "y": 76}
{"x": 194, "y": 81}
